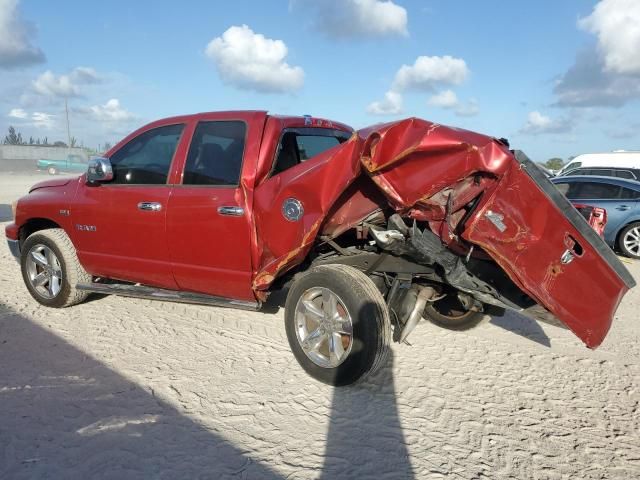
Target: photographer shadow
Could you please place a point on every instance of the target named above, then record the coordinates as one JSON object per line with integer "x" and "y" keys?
{"x": 365, "y": 438}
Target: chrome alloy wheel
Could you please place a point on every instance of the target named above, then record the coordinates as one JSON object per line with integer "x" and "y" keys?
{"x": 44, "y": 271}
{"x": 323, "y": 327}
{"x": 631, "y": 241}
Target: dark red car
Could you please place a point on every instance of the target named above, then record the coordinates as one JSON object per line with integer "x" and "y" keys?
{"x": 370, "y": 230}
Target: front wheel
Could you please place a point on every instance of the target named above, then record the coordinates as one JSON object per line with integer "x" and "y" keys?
{"x": 337, "y": 324}
{"x": 51, "y": 269}
{"x": 629, "y": 240}
{"x": 52, "y": 170}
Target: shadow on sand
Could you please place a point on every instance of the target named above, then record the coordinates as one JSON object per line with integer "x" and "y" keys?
{"x": 523, "y": 326}
{"x": 64, "y": 413}
{"x": 364, "y": 418}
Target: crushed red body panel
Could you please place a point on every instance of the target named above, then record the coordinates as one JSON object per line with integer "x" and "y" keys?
{"x": 317, "y": 184}
{"x": 543, "y": 253}
{"x": 428, "y": 172}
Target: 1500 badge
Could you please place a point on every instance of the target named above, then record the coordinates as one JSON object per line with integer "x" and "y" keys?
{"x": 86, "y": 228}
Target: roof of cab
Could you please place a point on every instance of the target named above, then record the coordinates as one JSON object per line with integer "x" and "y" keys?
{"x": 287, "y": 120}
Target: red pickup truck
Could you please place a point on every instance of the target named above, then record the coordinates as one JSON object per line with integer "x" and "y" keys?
{"x": 370, "y": 230}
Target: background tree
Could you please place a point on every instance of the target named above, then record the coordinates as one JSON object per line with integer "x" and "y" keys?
{"x": 73, "y": 142}
{"x": 59, "y": 144}
{"x": 13, "y": 138}
{"x": 554, "y": 163}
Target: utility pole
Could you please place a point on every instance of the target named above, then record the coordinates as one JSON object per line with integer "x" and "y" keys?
{"x": 66, "y": 109}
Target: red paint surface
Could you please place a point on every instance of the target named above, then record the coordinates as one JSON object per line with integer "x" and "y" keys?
{"x": 597, "y": 217}
{"x": 584, "y": 293}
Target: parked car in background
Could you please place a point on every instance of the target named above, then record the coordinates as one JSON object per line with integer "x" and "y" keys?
{"x": 619, "y": 172}
{"x": 619, "y": 197}
{"x": 618, "y": 159}
{"x": 73, "y": 163}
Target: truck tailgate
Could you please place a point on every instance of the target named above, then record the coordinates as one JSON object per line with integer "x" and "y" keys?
{"x": 543, "y": 243}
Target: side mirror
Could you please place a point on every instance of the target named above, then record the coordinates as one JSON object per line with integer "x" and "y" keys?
{"x": 99, "y": 170}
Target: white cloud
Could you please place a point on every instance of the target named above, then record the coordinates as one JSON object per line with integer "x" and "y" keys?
{"x": 250, "y": 61}
{"x": 85, "y": 75}
{"x": 536, "y": 120}
{"x": 51, "y": 85}
{"x": 428, "y": 72}
{"x": 390, "y": 105}
{"x": 36, "y": 119}
{"x": 444, "y": 99}
{"x": 538, "y": 123}
{"x": 616, "y": 23}
{"x": 359, "y": 18}
{"x": 16, "y": 49}
{"x": 67, "y": 85}
{"x": 469, "y": 109}
{"x": 18, "y": 113}
{"x": 42, "y": 120}
{"x": 111, "y": 112}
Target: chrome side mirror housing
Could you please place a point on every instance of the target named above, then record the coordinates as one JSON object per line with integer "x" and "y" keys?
{"x": 99, "y": 170}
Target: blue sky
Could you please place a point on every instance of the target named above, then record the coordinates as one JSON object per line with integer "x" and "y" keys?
{"x": 556, "y": 78}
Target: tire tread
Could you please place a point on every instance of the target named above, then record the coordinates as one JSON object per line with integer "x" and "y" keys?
{"x": 364, "y": 287}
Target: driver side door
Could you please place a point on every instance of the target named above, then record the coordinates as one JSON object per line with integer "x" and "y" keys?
{"x": 120, "y": 226}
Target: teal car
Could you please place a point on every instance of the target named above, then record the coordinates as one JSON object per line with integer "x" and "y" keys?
{"x": 73, "y": 163}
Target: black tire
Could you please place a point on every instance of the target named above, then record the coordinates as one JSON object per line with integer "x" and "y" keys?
{"x": 369, "y": 317}
{"x": 629, "y": 234}
{"x": 72, "y": 272}
{"x": 52, "y": 170}
{"x": 449, "y": 313}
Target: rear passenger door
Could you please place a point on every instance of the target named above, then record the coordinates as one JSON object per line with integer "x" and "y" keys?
{"x": 208, "y": 223}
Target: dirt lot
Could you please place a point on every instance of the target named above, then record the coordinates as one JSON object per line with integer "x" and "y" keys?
{"x": 123, "y": 388}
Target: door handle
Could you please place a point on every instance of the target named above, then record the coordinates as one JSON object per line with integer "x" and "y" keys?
{"x": 623, "y": 207}
{"x": 150, "y": 206}
{"x": 231, "y": 211}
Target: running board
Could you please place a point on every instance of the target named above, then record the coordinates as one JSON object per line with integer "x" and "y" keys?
{"x": 152, "y": 293}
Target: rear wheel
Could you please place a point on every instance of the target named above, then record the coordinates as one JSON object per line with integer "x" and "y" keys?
{"x": 629, "y": 240}
{"x": 51, "y": 269}
{"x": 337, "y": 324}
{"x": 449, "y": 312}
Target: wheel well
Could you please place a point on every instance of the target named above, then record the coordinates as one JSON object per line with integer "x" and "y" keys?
{"x": 34, "y": 225}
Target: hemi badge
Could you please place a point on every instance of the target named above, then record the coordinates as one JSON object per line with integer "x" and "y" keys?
{"x": 66, "y": 213}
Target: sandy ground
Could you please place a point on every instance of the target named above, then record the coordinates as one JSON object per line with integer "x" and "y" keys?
{"x": 122, "y": 388}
